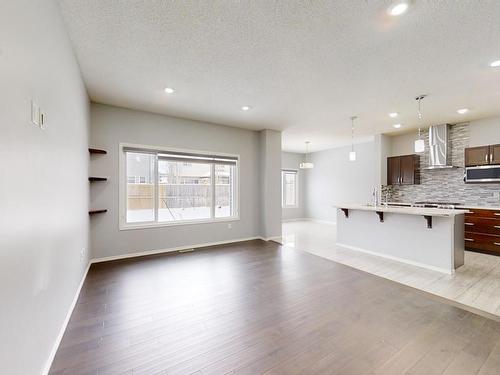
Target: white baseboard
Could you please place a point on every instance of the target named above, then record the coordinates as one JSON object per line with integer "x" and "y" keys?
{"x": 402, "y": 260}
{"x": 53, "y": 352}
{"x": 296, "y": 219}
{"x": 322, "y": 221}
{"x": 275, "y": 238}
{"x": 172, "y": 249}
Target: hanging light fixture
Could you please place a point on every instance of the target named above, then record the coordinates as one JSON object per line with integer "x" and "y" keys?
{"x": 306, "y": 164}
{"x": 352, "y": 153}
{"x": 419, "y": 142}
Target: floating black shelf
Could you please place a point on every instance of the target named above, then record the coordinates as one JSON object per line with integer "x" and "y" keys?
{"x": 93, "y": 212}
{"x": 97, "y": 151}
{"x": 93, "y": 179}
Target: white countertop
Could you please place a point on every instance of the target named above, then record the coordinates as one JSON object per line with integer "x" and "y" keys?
{"x": 404, "y": 210}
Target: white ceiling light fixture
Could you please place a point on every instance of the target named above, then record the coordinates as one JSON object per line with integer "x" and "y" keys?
{"x": 397, "y": 126}
{"x": 463, "y": 111}
{"x": 169, "y": 90}
{"x": 419, "y": 142}
{"x": 495, "y": 64}
{"x": 306, "y": 164}
{"x": 393, "y": 114}
{"x": 246, "y": 108}
{"x": 398, "y": 8}
{"x": 352, "y": 153}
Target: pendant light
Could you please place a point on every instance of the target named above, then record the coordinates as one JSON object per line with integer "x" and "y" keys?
{"x": 419, "y": 142}
{"x": 352, "y": 153}
{"x": 306, "y": 164}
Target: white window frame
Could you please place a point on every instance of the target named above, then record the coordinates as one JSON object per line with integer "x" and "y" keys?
{"x": 122, "y": 191}
{"x": 283, "y": 190}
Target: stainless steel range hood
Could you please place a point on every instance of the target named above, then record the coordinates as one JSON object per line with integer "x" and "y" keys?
{"x": 439, "y": 147}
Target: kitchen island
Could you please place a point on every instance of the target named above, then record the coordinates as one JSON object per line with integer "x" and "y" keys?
{"x": 427, "y": 237}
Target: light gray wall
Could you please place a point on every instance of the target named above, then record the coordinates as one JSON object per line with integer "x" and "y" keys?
{"x": 270, "y": 168}
{"x": 44, "y": 188}
{"x": 334, "y": 179}
{"x": 291, "y": 160}
{"x": 481, "y": 132}
{"x": 484, "y": 132}
{"x": 112, "y": 125}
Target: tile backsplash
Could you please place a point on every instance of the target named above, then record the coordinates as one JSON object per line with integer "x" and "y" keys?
{"x": 446, "y": 185}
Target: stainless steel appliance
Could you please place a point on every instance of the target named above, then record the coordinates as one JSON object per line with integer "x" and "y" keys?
{"x": 482, "y": 174}
{"x": 439, "y": 148}
{"x": 447, "y": 205}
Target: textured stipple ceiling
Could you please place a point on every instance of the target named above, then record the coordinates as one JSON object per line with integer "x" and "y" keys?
{"x": 304, "y": 66}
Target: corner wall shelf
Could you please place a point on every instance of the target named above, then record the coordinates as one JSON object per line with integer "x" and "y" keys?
{"x": 93, "y": 179}
{"x": 93, "y": 212}
{"x": 97, "y": 151}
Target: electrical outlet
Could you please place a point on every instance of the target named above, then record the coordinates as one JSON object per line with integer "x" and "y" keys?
{"x": 82, "y": 253}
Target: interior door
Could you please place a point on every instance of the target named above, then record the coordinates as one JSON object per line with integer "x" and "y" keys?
{"x": 407, "y": 169}
{"x": 393, "y": 171}
{"x": 477, "y": 156}
{"x": 495, "y": 154}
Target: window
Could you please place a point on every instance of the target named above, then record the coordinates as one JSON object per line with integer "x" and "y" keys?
{"x": 164, "y": 188}
{"x": 289, "y": 186}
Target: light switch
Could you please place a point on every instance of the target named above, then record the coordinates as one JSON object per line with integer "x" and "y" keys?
{"x": 35, "y": 113}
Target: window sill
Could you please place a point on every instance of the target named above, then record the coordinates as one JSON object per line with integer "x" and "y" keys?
{"x": 132, "y": 226}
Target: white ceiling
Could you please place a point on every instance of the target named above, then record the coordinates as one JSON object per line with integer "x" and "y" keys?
{"x": 304, "y": 67}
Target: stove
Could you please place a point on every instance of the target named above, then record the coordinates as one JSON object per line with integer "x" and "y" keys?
{"x": 447, "y": 205}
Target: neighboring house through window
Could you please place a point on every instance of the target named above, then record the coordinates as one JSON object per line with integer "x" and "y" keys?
{"x": 162, "y": 187}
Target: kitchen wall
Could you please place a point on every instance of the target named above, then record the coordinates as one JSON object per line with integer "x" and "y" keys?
{"x": 291, "y": 160}
{"x": 112, "y": 125}
{"x": 448, "y": 185}
{"x": 44, "y": 189}
{"x": 335, "y": 179}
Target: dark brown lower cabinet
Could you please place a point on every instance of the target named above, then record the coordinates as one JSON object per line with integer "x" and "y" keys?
{"x": 482, "y": 231}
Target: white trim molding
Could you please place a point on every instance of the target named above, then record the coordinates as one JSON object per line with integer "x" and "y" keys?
{"x": 55, "y": 347}
{"x": 122, "y": 182}
{"x": 402, "y": 260}
{"x": 172, "y": 249}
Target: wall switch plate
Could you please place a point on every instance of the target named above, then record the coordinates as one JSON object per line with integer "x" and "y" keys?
{"x": 35, "y": 113}
{"x": 42, "y": 120}
{"x": 229, "y": 226}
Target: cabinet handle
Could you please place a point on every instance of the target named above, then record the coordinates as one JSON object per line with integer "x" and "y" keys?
{"x": 469, "y": 239}
{"x": 491, "y": 157}
{"x": 496, "y": 243}
{"x": 497, "y": 226}
{"x": 497, "y": 214}
{"x": 486, "y": 158}
{"x": 469, "y": 223}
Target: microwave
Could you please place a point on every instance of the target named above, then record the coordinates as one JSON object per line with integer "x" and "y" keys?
{"x": 482, "y": 174}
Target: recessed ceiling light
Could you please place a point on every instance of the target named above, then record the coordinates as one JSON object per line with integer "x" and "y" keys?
{"x": 393, "y": 114}
{"x": 169, "y": 90}
{"x": 398, "y": 8}
{"x": 397, "y": 126}
{"x": 463, "y": 111}
{"x": 495, "y": 63}
{"x": 246, "y": 108}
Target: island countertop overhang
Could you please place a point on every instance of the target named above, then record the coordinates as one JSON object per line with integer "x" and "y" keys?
{"x": 420, "y": 211}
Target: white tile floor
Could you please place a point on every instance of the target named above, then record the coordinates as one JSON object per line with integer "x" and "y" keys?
{"x": 476, "y": 284}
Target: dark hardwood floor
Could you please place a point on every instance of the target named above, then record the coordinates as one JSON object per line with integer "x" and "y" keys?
{"x": 254, "y": 307}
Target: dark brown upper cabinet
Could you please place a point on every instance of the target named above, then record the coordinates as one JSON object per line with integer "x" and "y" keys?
{"x": 403, "y": 170}
{"x": 482, "y": 155}
{"x": 495, "y": 154}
